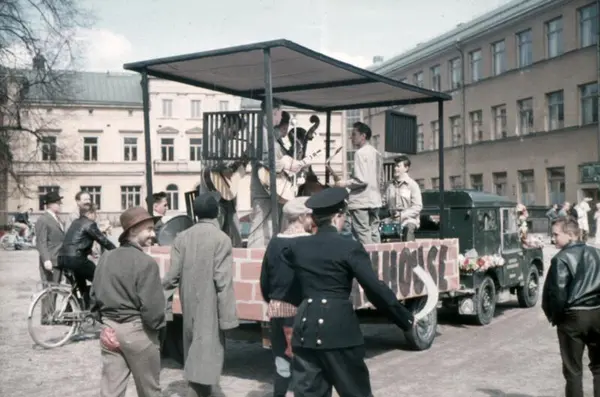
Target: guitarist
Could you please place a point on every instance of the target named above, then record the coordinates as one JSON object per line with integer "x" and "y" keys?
{"x": 261, "y": 227}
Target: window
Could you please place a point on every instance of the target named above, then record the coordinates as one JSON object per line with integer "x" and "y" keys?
{"x": 499, "y": 113}
{"x": 455, "y": 130}
{"x": 420, "y": 138}
{"x": 554, "y": 37}
{"x": 525, "y": 107}
{"x": 500, "y": 183}
{"x": 556, "y": 115}
{"x": 588, "y": 25}
{"x": 525, "y": 54}
{"x": 477, "y": 182}
{"x": 196, "y": 109}
{"x": 436, "y": 78}
{"x": 42, "y": 191}
{"x": 527, "y": 187}
{"x": 476, "y": 129}
{"x": 131, "y": 196}
{"x": 130, "y": 151}
{"x": 419, "y": 79}
{"x": 223, "y": 106}
{"x": 499, "y": 57}
{"x": 167, "y": 149}
{"x": 435, "y": 135}
{"x": 352, "y": 116}
{"x": 95, "y": 193}
{"x": 90, "y": 148}
{"x": 510, "y": 230}
{"x": 455, "y": 73}
{"x": 421, "y": 183}
{"x": 48, "y": 148}
{"x": 556, "y": 185}
{"x": 173, "y": 197}
{"x": 589, "y": 103}
{"x": 456, "y": 182}
{"x": 476, "y": 65}
{"x": 195, "y": 149}
{"x": 435, "y": 183}
{"x": 167, "y": 108}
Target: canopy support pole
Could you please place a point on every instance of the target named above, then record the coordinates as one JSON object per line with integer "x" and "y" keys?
{"x": 327, "y": 143}
{"x": 271, "y": 141}
{"x": 147, "y": 138}
{"x": 441, "y": 166}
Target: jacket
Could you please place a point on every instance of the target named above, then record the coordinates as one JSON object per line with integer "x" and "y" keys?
{"x": 80, "y": 238}
{"x": 326, "y": 264}
{"x": 364, "y": 184}
{"x": 572, "y": 282}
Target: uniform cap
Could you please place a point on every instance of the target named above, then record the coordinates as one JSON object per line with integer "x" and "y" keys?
{"x": 296, "y": 207}
{"x": 328, "y": 201}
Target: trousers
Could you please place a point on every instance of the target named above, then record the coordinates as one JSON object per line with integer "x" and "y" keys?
{"x": 261, "y": 227}
{"x": 48, "y": 277}
{"x": 139, "y": 356}
{"x": 317, "y": 372}
{"x": 580, "y": 329}
{"x": 83, "y": 269}
{"x": 283, "y": 364}
{"x": 365, "y": 225}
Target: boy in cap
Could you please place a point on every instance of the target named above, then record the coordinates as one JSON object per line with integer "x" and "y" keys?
{"x": 281, "y": 292}
{"x": 129, "y": 299}
{"x": 202, "y": 268}
{"x": 325, "y": 265}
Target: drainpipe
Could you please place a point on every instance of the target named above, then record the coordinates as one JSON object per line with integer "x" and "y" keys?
{"x": 463, "y": 110}
{"x": 598, "y": 71}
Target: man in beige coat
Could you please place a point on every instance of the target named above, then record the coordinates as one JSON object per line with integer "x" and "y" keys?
{"x": 201, "y": 266}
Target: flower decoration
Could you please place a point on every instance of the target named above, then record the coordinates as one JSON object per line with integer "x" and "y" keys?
{"x": 480, "y": 264}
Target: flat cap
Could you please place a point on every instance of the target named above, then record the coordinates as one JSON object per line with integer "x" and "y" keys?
{"x": 328, "y": 201}
{"x": 296, "y": 207}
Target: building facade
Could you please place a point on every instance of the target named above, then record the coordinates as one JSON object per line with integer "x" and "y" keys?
{"x": 96, "y": 143}
{"x": 524, "y": 113}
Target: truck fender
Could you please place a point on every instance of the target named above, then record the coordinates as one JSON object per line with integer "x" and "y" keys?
{"x": 433, "y": 294}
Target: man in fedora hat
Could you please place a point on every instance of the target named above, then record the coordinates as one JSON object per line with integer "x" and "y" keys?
{"x": 50, "y": 233}
{"x": 202, "y": 268}
{"x": 129, "y": 298}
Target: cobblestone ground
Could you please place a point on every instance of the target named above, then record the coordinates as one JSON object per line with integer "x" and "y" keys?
{"x": 515, "y": 356}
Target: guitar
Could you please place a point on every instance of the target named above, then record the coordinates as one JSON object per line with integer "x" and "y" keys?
{"x": 226, "y": 181}
{"x": 286, "y": 187}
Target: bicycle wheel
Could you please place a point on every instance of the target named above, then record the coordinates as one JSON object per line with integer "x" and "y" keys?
{"x": 58, "y": 320}
{"x": 7, "y": 242}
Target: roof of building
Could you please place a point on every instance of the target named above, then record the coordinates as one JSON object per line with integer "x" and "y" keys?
{"x": 300, "y": 77}
{"x": 86, "y": 88}
{"x": 462, "y": 33}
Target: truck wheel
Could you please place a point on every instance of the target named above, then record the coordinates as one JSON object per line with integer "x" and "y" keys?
{"x": 528, "y": 294}
{"x": 172, "y": 339}
{"x": 485, "y": 301}
{"x": 421, "y": 336}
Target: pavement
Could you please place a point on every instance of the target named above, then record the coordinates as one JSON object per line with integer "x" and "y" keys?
{"x": 515, "y": 356}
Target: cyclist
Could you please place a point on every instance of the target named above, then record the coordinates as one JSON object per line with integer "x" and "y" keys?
{"x": 77, "y": 246}
{"x": 22, "y": 222}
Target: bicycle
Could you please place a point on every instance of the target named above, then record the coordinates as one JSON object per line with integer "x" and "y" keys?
{"x": 14, "y": 241}
{"x": 65, "y": 302}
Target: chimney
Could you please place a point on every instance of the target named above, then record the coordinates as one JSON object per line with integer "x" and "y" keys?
{"x": 39, "y": 62}
{"x": 377, "y": 59}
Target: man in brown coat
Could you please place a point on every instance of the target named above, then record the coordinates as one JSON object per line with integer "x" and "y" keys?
{"x": 129, "y": 299}
{"x": 201, "y": 266}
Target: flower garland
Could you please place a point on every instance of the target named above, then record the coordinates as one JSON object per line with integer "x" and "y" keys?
{"x": 522, "y": 215}
{"x": 481, "y": 264}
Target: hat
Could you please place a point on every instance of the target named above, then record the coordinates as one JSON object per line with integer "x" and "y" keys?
{"x": 328, "y": 201}
{"x": 206, "y": 205}
{"x": 296, "y": 207}
{"x": 52, "y": 197}
{"x": 133, "y": 217}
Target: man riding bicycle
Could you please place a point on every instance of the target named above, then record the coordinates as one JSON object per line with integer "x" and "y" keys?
{"x": 21, "y": 222}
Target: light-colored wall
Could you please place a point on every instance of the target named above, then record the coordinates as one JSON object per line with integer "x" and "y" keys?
{"x": 568, "y": 147}
{"x": 113, "y": 124}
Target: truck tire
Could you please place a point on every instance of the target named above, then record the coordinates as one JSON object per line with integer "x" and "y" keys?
{"x": 421, "y": 336}
{"x": 528, "y": 294}
{"x": 485, "y": 301}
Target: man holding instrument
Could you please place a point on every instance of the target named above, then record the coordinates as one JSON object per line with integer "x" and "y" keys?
{"x": 261, "y": 228}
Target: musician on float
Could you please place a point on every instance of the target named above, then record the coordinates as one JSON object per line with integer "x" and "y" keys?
{"x": 403, "y": 199}
{"x": 364, "y": 185}
{"x": 261, "y": 226}
{"x": 327, "y": 343}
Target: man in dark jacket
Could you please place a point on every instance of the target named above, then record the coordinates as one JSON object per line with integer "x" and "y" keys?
{"x": 77, "y": 246}
{"x": 571, "y": 301}
{"x": 327, "y": 342}
{"x": 281, "y": 292}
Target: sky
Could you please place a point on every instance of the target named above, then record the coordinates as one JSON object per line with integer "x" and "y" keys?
{"x": 351, "y": 30}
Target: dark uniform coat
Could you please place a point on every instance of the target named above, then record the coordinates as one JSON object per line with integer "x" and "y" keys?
{"x": 325, "y": 265}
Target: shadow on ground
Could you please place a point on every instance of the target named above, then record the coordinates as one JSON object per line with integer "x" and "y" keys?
{"x": 499, "y": 393}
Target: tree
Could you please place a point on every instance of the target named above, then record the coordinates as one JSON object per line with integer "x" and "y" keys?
{"x": 39, "y": 53}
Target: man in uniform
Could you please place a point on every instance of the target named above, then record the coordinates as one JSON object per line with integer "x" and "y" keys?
{"x": 325, "y": 265}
